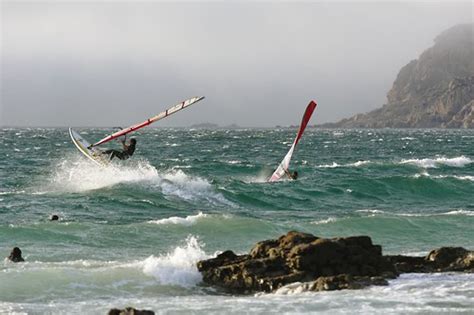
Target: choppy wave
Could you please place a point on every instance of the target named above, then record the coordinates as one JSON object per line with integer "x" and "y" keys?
{"x": 459, "y": 161}
{"x": 458, "y": 177}
{"x": 80, "y": 175}
{"x": 324, "y": 221}
{"x": 189, "y": 220}
{"x": 177, "y": 268}
{"x": 459, "y": 212}
{"x": 334, "y": 164}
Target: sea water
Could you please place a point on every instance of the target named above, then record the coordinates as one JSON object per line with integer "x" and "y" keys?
{"x": 131, "y": 234}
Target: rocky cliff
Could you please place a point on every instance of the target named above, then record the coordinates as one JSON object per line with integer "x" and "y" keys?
{"x": 434, "y": 91}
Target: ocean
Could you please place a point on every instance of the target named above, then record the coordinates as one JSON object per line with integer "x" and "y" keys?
{"x": 130, "y": 234}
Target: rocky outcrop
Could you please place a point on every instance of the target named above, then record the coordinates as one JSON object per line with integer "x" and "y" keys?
{"x": 129, "y": 311}
{"x": 321, "y": 264}
{"x": 299, "y": 257}
{"x": 434, "y": 91}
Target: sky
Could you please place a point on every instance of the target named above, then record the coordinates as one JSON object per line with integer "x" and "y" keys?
{"x": 110, "y": 63}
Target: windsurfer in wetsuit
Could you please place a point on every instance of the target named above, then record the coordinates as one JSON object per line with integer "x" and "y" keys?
{"x": 290, "y": 175}
{"x": 127, "y": 152}
{"x": 293, "y": 175}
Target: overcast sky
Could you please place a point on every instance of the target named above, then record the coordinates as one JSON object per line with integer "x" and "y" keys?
{"x": 109, "y": 63}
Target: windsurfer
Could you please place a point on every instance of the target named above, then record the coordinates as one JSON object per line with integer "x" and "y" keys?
{"x": 128, "y": 150}
{"x": 290, "y": 175}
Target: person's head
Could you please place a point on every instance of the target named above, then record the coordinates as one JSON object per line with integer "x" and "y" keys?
{"x": 133, "y": 141}
{"x": 294, "y": 175}
{"x": 16, "y": 252}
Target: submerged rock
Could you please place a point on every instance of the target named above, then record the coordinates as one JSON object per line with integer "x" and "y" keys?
{"x": 129, "y": 311}
{"x": 15, "y": 255}
{"x": 319, "y": 264}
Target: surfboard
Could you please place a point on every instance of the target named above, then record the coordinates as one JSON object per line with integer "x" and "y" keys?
{"x": 92, "y": 153}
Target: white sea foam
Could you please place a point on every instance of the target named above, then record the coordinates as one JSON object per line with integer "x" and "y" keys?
{"x": 355, "y": 164}
{"x": 459, "y": 161}
{"x": 372, "y": 211}
{"x": 359, "y": 163}
{"x": 178, "y": 267}
{"x": 325, "y": 221}
{"x": 79, "y": 175}
{"x": 234, "y": 162}
{"x": 187, "y": 221}
{"x": 333, "y": 165}
{"x": 459, "y": 212}
{"x": 177, "y": 183}
{"x": 459, "y": 177}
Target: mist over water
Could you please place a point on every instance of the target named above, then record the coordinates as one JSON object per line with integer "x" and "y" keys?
{"x": 131, "y": 233}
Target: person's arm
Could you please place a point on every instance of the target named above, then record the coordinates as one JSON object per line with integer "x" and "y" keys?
{"x": 288, "y": 174}
{"x": 124, "y": 145}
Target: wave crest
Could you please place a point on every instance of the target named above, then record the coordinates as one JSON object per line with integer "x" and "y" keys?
{"x": 178, "y": 267}
{"x": 187, "y": 221}
{"x": 459, "y": 161}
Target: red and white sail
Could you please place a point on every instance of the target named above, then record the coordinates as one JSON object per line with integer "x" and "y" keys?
{"x": 285, "y": 164}
{"x": 149, "y": 121}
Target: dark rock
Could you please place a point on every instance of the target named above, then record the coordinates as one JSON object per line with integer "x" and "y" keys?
{"x": 295, "y": 257}
{"x": 438, "y": 260}
{"x": 451, "y": 259}
{"x": 129, "y": 311}
{"x": 261, "y": 249}
{"x": 222, "y": 259}
{"x": 322, "y": 264}
{"x": 15, "y": 255}
{"x": 345, "y": 281}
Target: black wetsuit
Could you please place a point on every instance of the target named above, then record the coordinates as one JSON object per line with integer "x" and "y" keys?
{"x": 122, "y": 155}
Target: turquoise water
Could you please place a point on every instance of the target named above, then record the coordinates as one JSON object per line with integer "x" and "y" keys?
{"x": 130, "y": 234}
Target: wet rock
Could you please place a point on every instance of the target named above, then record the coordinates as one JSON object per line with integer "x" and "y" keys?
{"x": 322, "y": 264}
{"x": 451, "y": 259}
{"x": 439, "y": 260}
{"x": 129, "y": 311}
{"x": 15, "y": 255}
{"x": 296, "y": 257}
{"x": 345, "y": 281}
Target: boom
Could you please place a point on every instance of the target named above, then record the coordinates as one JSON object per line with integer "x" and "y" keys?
{"x": 149, "y": 121}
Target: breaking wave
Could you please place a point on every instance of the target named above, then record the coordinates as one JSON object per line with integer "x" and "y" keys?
{"x": 80, "y": 175}
{"x": 178, "y": 267}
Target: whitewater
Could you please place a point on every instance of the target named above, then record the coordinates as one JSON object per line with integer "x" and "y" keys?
{"x": 131, "y": 234}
